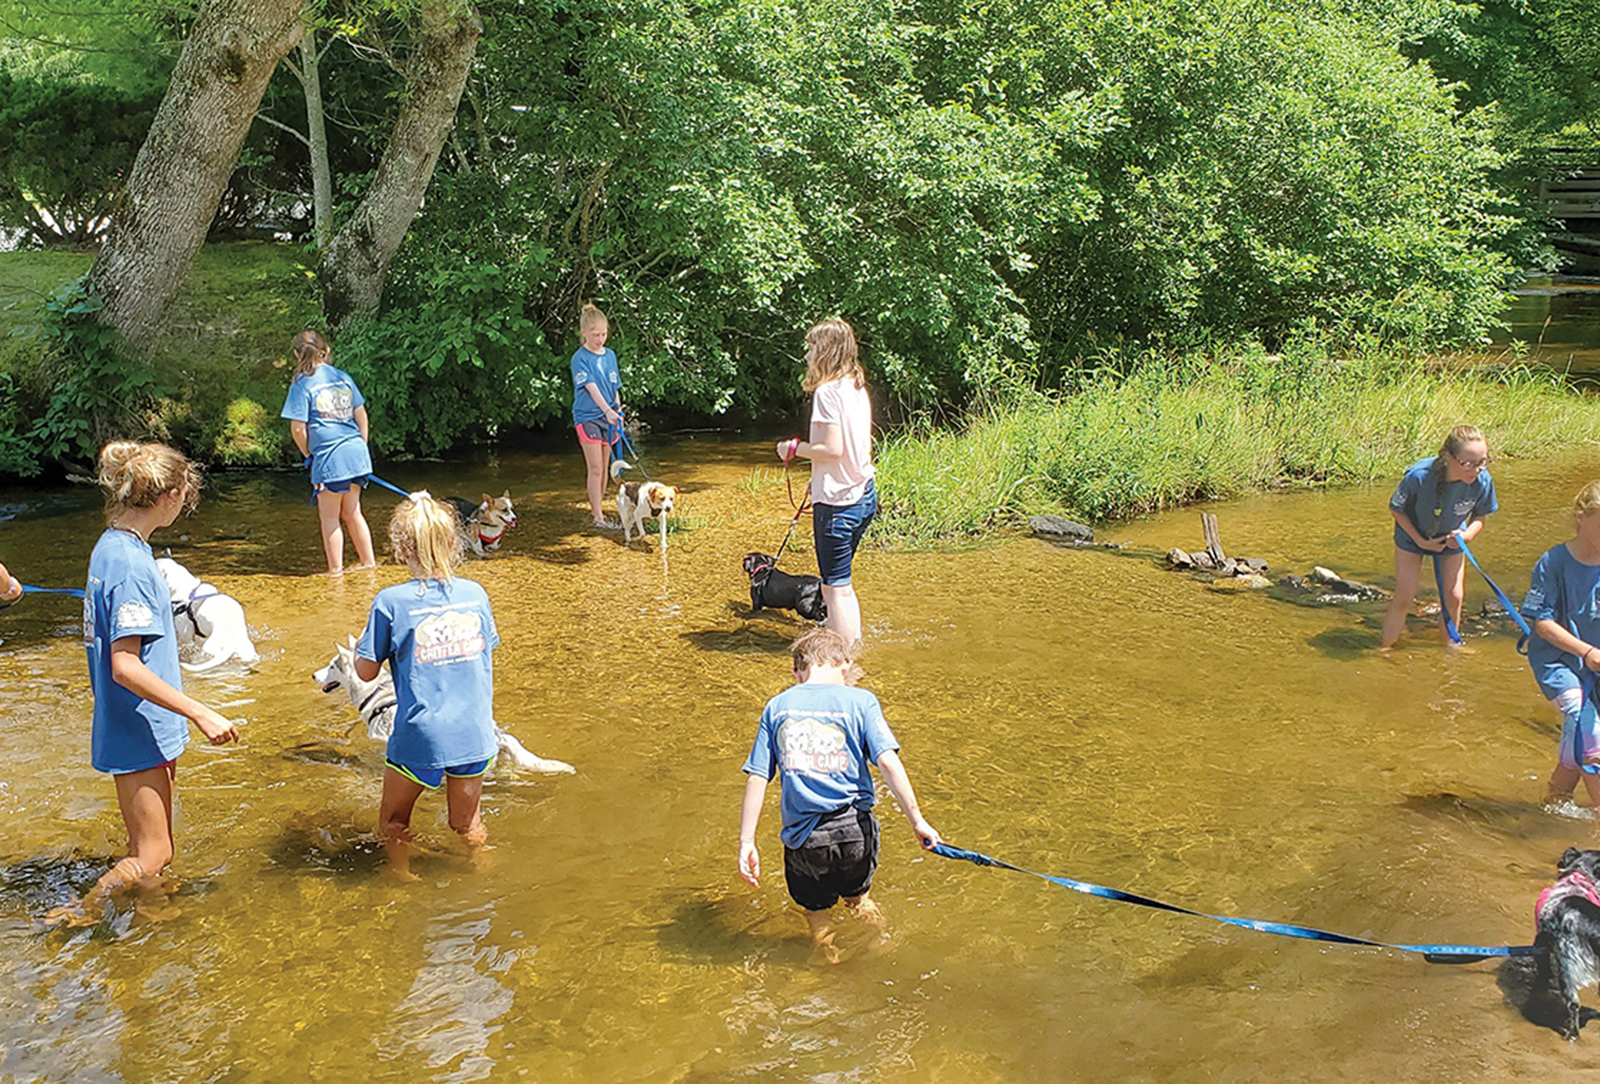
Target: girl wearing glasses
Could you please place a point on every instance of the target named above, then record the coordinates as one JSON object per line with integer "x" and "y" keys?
{"x": 1437, "y": 497}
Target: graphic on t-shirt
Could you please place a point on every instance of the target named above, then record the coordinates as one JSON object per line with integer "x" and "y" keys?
{"x": 810, "y": 745}
{"x": 456, "y": 634}
{"x": 133, "y": 614}
{"x": 335, "y": 403}
{"x": 88, "y": 619}
{"x": 1463, "y": 507}
{"x": 581, "y": 377}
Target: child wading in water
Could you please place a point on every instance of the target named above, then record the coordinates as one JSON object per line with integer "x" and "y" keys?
{"x": 1437, "y": 497}
{"x": 140, "y": 709}
{"x": 843, "y": 494}
{"x": 436, "y": 633}
{"x": 596, "y": 406}
{"x": 820, "y": 734}
{"x": 328, "y": 420}
{"x": 1564, "y": 650}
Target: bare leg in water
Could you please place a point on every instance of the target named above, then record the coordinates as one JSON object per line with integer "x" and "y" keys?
{"x": 145, "y": 798}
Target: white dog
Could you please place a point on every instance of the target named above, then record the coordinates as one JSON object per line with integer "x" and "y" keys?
{"x": 638, "y": 501}
{"x": 202, "y": 612}
{"x": 375, "y": 701}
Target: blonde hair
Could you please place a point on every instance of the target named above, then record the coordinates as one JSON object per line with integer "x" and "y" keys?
{"x": 821, "y": 646}
{"x": 1587, "y": 501}
{"x": 135, "y": 474}
{"x": 1459, "y": 438}
{"x": 831, "y": 353}
{"x": 589, "y": 316}
{"x": 310, "y": 350}
{"x": 425, "y": 533}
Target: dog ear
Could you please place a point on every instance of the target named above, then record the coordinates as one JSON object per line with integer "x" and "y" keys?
{"x": 506, "y": 495}
{"x": 487, "y": 499}
{"x": 1569, "y": 859}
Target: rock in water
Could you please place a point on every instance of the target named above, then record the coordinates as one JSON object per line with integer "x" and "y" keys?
{"x": 1061, "y": 528}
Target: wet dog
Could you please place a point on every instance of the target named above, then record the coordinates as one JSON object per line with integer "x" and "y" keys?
{"x": 637, "y": 501}
{"x": 483, "y": 525}
{"x": 375, "y": 702}
{"x": 1568, "y": 917}
{"x": 205, "y": 615}
{"x": 771, "y": 587}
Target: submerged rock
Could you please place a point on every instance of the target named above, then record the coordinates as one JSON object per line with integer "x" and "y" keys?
{"x": 1060, "y": 527}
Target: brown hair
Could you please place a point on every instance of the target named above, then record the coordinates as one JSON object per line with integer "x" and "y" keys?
{"x": 589, "y": 315}
{"x": 830, "y": 354}
{"x": 135, "y": 474}
{"x": 1460, "y": 437}
{"x": 424, "y": 532}
{"x": 821, "y": 645}
{"x": 310, "y": 350}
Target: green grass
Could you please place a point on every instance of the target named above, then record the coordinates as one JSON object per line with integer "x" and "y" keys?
{"x": 1155, "y": 432}
{"x": 224, "y": 343}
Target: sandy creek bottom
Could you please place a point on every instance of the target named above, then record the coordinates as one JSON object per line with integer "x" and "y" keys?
{"x": 1075, "y": 711}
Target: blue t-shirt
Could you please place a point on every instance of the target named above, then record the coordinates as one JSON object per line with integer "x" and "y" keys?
{"x": 1437, "y": 506}
{"x": 436, "y": 638}
{"x": 821, "y": 736}
{"x": 1562, "y": 589}
{"x": 326, "y": 400}
{"x": 127, "y": 596}
{"x": 601, "y": 371}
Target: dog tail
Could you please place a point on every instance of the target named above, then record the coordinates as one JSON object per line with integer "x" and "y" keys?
{"x": 519, "y": 755}
{"x": 617, "y": 467}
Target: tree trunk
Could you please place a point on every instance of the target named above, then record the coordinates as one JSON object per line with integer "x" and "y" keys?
{"x": 357, "y": 263}
{"x": 317, "y": 141}
{"x": 160, "y": 220}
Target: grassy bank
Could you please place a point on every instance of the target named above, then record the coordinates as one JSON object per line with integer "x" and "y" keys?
{"x": 1149, "y": 432}
{"x": 220, "y": 363}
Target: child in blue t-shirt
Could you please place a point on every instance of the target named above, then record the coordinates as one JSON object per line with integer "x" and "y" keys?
{"x": 436, "y": 633}
{"x": 140, "y": 709}
{"x": 328, "y": 420}
{"x": 1564, "y": 650}
{"x": 821, "y": 733}
{"x": 1436, "y": 498}
{"x": 596, "y": 406}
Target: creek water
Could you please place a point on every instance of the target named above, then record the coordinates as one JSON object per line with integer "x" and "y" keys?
{"x": 1559, "y": 319}
{"x": 1081, "y": 712}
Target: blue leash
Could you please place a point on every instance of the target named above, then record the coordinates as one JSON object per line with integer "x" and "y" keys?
{"x": 1505, "y": 603}
{"x": 75, "y": 592}
{"x": 1444, "y": 608}
{"x": 621, "y": 441}
{"x": 375, "y": 480}
{"x": 1434, "y": 954}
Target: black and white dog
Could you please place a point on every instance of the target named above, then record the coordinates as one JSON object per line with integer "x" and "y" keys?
{"x": 1568, "y": 915}
{"x": 375, "y": 702}
{"x": 771, "y": 587}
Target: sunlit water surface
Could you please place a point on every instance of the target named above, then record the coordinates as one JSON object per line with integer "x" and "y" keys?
{"x": 1074, "y": 711}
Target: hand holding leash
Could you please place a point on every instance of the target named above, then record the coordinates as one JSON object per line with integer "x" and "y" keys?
{"x": 788, "y": 448}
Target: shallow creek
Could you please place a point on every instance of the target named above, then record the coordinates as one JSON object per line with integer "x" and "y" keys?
{"x": 1074, "y": 711}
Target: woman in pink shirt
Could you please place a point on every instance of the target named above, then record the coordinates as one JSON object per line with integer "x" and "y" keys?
{"x": 840, "y": 450}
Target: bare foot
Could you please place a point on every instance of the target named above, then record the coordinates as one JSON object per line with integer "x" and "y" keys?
{"x": 334, "y": 572}
{"x": 68, "y": 916}
{"x": 366, "y": 568}
{"x": 824, "y": 950}
{"x": 870, "y": 915}
{"x": 404, "y": 875}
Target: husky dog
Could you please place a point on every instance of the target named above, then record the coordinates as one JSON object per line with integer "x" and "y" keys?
{"x": 202, "y": 612}
{"x": 1568, "y": 917}
{"x": 375, "y": 702}
{"x": 483, "y": 525}
{"x": 772, "y": 587}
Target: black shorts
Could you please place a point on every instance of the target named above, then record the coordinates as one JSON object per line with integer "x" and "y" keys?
{"x": 837, "y": 859}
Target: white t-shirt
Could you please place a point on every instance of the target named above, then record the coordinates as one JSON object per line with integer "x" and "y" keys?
{"x": 843, "y": 481}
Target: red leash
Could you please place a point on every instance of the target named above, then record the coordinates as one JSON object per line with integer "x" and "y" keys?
{"x": 799, "y": 509}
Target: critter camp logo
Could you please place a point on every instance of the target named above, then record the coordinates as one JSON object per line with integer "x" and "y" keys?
{"x": 456, "y": 634}
{"x": 335, "y": 403}
{"x": 811, "y": 745}
{"x": 134, "y": 614}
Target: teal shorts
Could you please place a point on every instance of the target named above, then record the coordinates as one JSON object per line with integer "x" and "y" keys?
{"x": 433, "y": 778}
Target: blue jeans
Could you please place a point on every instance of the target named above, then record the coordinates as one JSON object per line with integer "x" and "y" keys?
{"x": 836, "y": 530}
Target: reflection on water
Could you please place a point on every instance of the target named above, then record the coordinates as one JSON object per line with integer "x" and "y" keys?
{"x": 1075, "y": 711}
{"x": 1559, "y": 319}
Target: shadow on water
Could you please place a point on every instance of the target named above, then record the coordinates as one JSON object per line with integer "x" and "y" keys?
{"x": 1345, "y": 645}
{"x": 750, "y": 640}
{"x": 32, "y": 886}
{"x": 329, "y": 842}
{"x": 1538, "y": 1003}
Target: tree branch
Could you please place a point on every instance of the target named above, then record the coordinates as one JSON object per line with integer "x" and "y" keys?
{"x": 285, "y": 127}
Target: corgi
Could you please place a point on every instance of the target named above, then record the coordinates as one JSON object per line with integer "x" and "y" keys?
{"x": 483, "y": 525}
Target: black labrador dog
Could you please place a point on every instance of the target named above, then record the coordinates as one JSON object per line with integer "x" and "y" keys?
{"x": 773, "y": 588}
{"x": 1568, "y": 913}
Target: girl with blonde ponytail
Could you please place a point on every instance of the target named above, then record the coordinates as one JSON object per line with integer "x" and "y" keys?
{"x": 140, "y": 707}
{"x": 436, "y": 633}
